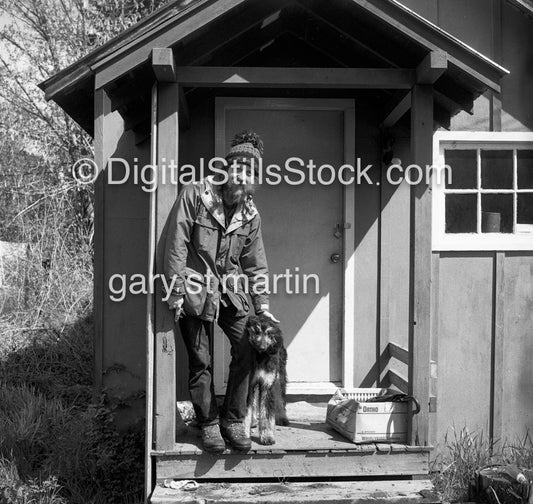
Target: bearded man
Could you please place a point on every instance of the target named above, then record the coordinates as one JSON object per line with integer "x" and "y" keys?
{"x": 214, "y": 229}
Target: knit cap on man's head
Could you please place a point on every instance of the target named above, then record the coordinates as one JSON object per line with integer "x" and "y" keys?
{"x": 245, "y": 147}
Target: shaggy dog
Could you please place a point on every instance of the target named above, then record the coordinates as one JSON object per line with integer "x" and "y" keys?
{"x": 268, "y": 380}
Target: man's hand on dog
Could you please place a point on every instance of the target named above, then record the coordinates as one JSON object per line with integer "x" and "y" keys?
{"x": 266, "y": 313}
{"x": 175, "y": 302}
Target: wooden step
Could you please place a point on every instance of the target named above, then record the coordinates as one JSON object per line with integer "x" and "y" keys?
{"x": 301, "y": 450}
{"x": 353, "y": 492}
{"x": 292, "y": 464}
{"x": 307, "y": 447}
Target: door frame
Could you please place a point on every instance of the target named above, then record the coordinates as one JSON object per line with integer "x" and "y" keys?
{"x": 347, "y": 106}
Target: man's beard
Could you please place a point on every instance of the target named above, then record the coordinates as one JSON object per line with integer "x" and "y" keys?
{"x": 234, "y": 194}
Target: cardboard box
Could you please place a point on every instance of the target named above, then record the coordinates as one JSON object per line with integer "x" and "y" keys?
{"x": 360, "y": 421}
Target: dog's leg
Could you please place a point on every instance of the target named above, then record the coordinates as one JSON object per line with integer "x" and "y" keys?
{"x": 282, "y": 382}
{"x": 251, "y": 406}
{"x": 255, "y": 407}
{"x": 281, "y": 405}
{"x": 267, "y": 422}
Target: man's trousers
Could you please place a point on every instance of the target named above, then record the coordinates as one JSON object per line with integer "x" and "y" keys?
{"x": 198, "y": 337}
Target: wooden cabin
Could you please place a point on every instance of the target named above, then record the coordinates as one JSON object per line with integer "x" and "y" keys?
{"x": 427, "y": 286}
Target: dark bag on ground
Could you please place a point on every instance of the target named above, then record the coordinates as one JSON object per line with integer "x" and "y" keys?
{"x": 504, "y": 484}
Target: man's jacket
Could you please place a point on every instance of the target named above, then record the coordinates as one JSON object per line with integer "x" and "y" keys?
{"x": 199, "y": 238}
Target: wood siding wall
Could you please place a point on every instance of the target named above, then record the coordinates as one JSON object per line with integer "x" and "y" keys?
{"x": 483, "y": 342}
{"x": 482, "y": 302}
{"x": 501, "y": 32}
{"x": 120, "y": 346}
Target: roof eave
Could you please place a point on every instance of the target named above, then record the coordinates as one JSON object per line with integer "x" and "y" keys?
{"x": 71, "y": 75}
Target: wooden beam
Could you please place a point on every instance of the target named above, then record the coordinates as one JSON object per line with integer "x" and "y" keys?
{"x": 235, "y": 50}
{"x": 150, "y": 319}
{"x": 341, "y": 27}
{"x": 176, "y": 29}
{"x": 307, "y": 34}
{"x": 55, "y": 86}
{"x": 399, "y": 110}
{"x": 442, "y": 114}
{"x": 345, "y": 463}
{"x": 398, "y": 352}
{"x": 432, "y": 67}
{"x": 334, "y": 78}
{"x": 526, "y": 6}
{"x": 454, "y": 94}
{"x": 166, "y": 418}
{"x": 397, "y": 380}
{"x": 239, "y": 27}
{"x": 102, "y": 151}
{"x": 420, "y": 284}
{"x": 163, "y": 64}
{"x": 184, "y": 117}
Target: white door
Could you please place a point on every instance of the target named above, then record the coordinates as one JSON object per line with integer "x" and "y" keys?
{"x": 303, "y": 229}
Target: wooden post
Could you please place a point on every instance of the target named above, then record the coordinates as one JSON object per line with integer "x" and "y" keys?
{"x": 150, "y": 322}
{"x": 165, "y": 343}
{"x": 102, "y": 110}
{"x": 420, "y": 302}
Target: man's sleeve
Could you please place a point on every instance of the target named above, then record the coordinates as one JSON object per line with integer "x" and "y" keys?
{"x": 182, "y": 217}
{"x": 254, "y": 265}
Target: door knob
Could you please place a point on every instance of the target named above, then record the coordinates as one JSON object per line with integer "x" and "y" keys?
{"x": 335, "y": 258}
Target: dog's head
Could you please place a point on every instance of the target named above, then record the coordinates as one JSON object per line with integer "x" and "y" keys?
{"x": 264, "y": 335}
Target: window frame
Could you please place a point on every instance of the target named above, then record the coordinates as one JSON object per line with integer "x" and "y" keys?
{"x": 442, "y": 241}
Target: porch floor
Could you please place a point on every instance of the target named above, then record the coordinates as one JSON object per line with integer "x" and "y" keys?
{"x": 307, "y": 448}
{"x": 307, "y": 431}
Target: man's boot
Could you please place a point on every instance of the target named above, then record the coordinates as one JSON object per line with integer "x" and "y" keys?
{"x": 212, "y": 439}
{"x": 237, "y": 437}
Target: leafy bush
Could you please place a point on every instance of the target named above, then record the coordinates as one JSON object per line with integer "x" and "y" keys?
{"x": 13, "y": 491}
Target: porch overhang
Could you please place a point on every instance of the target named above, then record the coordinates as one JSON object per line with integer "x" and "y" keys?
{"x": 362, "y": 37}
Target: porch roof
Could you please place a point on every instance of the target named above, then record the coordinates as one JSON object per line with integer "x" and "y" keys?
{"x": 339, "y": 33}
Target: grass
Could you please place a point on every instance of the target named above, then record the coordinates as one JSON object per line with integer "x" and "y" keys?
{"x": 59, "y": 444}
{"x": 464, "y": 453}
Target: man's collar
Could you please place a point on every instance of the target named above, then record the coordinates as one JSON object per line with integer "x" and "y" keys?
{"x": 212, "y": 199}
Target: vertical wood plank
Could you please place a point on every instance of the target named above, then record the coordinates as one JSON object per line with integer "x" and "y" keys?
{"x": 517, "y": 413}
{"x": 497, "y": 375}
{"x": 102, "y": 109}
{"x": 419, "y": 341}
{"x": 348, "y": 253}
{"x": 150, "y": 313}
{"x": 165, "y": 344}
{"x": 465, "y": 322}
{"x": 394, "y": 264}
{"x": 434, "y": 349}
